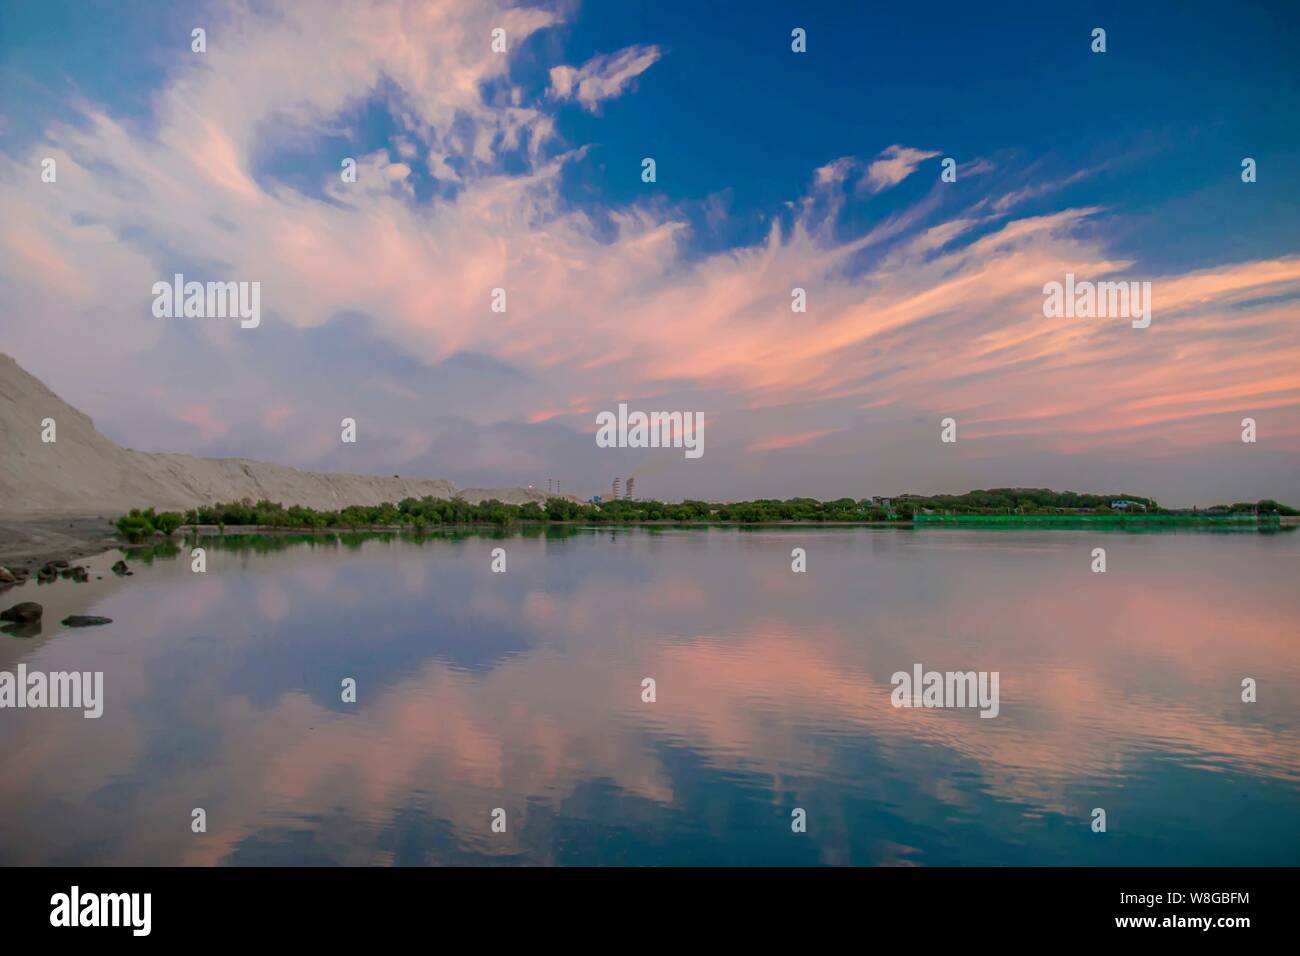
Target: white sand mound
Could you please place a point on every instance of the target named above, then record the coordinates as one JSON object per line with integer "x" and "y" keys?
{"x": 83, "y": 472}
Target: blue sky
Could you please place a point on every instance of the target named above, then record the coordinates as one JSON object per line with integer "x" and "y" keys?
{"x": 670, "y": 294}
{"x": 1183, "y": 91}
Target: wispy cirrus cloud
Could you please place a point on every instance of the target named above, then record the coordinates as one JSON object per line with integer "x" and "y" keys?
{"x": 894, "y": 165}
{"x": 602, "y": 77}
{"x": 777, "y": 442}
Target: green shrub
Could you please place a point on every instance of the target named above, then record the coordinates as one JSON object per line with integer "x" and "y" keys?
{"x": 168, "y": 522}
{"x": 137, "y": 525}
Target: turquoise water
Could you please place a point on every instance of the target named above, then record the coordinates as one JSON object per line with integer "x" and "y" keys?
{"x": 522, "y": 691}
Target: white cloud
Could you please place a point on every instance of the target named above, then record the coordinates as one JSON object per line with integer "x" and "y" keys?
{"x": 837, "y": 171}
{"x": 602, "y": 77}
{"x": 894, "y": 165}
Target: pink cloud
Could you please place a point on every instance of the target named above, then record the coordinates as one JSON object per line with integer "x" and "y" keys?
{"x": 790, "y": 441}
{"x": 204, "y": 419}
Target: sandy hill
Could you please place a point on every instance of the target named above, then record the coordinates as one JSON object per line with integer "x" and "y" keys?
{"x": 83, "y": 472}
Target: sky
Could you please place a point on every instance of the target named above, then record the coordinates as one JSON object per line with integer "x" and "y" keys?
{"x": 774, "y": 170}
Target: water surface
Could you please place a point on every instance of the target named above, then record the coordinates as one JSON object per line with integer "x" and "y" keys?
{"x": 523, "y": 691}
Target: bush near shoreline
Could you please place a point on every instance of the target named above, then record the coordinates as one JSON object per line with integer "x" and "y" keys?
{"x": 424, "y": 512}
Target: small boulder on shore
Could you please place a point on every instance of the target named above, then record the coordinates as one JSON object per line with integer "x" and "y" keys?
{"x": 120, "y": 567}
{"x": 7, "y": 576}
{"x": 85, "y": 620}
{"x": 28, "y": 612}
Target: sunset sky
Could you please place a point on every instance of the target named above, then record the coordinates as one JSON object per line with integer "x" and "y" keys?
{"x": 775, "y": 170}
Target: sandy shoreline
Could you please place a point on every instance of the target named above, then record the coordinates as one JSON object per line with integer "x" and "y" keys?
{"x": 36, "y": 538}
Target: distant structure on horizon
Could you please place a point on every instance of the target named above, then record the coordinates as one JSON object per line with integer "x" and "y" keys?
{"x": 631, "y": 482}
{"x": 1123, "y": 504}
{"x": 618, "y": 489}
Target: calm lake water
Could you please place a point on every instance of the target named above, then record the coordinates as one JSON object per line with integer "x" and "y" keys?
{"x": 523, "y": 691}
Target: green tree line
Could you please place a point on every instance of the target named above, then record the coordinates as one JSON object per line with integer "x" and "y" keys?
{"x": 431, "y": 512}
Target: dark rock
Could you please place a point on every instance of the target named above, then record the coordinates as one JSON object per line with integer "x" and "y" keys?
{"x": 120, "y": 568}
{"x": 85, "y": 620}
{"x": 28, "y": 612}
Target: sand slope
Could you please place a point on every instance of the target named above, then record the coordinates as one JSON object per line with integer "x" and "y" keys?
{"x": 83, "y": 472}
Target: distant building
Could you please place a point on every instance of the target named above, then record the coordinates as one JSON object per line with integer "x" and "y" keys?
{"x": 631, "y": 482}
{"x": 618, "y": 489}
{"x": 880, "y": 502}
{"x": 1123, "y": 504}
